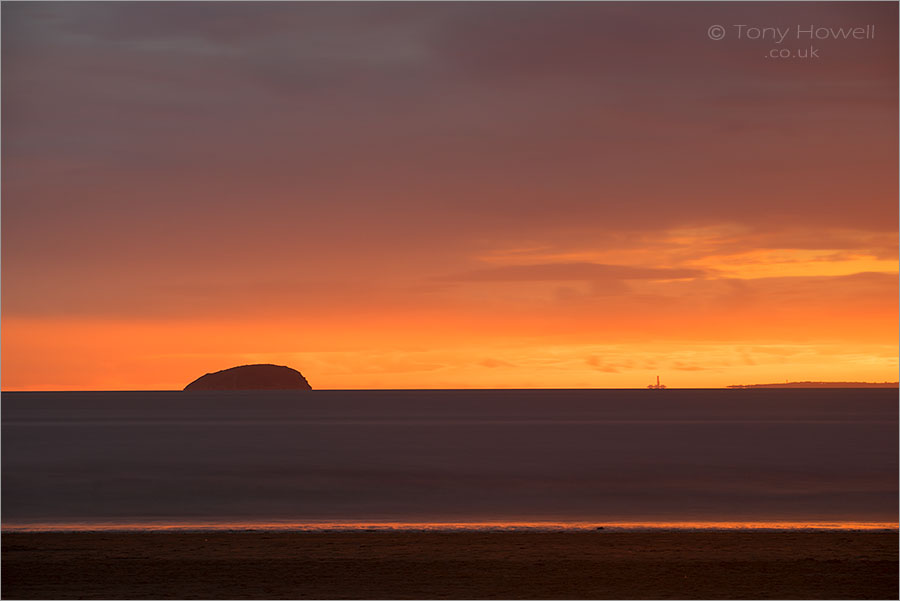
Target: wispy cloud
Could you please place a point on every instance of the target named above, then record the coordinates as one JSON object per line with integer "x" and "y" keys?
{"x": 549, "y": 272}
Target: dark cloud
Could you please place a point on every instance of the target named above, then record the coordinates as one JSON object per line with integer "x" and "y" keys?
{"x": 145, "y": 142}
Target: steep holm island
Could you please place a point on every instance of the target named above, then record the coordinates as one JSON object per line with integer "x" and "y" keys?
{"x": 251, "y": 377}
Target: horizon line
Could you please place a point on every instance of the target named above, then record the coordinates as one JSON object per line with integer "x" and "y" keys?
{"x": 447, "y": 526}
{"x": 860, "y": 385}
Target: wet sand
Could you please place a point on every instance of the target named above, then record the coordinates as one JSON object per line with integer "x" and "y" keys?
{"x": 456, "y": 565}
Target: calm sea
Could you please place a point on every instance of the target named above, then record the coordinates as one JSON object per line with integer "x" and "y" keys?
{"x": 456, "y": 458}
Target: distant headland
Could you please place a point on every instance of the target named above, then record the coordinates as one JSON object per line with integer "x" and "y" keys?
{"x": 820, "y": 385}
{"x": 252, "y": 377}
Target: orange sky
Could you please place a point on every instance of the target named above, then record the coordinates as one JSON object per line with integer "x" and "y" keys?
{"x": 445, "y": 195}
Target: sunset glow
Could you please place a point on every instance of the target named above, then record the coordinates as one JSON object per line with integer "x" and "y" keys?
{"x": 427, "y": 199}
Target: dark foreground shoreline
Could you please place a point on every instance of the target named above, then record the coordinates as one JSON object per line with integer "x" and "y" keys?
{"x": 456, "y": 565}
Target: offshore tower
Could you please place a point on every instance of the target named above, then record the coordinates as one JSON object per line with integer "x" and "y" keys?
{"x": 656, "y": 386}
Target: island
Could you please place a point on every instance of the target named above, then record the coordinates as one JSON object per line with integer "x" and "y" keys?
{"x": 251, "y": 377}
{"x": 820, "y": 385}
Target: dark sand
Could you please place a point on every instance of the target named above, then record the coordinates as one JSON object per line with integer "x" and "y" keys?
{"x": 460, "y": 565}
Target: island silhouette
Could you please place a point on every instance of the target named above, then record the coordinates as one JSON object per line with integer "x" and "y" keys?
{"x": 251, "y": 377}
{"x": 820, "y": 385}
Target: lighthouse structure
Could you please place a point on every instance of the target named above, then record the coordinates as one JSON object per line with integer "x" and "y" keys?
{"x": 656, "y": 386}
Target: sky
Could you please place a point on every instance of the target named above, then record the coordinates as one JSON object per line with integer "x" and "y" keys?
{"x": 449, "y": 195}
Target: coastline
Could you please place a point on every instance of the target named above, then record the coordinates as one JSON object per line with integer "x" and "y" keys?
{"x": 382, "y": 564}
{"x": 447, "y": 526}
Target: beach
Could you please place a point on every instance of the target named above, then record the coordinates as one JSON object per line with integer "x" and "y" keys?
{"x": 705, "y": 564}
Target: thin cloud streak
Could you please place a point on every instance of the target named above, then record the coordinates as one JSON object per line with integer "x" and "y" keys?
{"x": 549, "y": 272}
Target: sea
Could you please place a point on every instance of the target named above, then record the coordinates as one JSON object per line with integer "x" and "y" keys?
{"x": 450, "y": 459}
